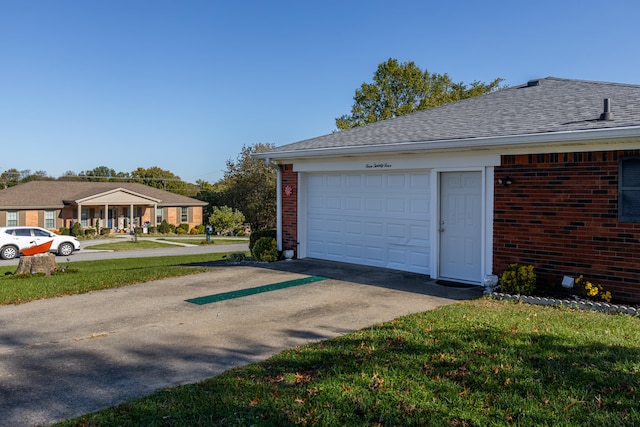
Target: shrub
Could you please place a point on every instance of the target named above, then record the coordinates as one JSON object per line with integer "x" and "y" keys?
{"x": 138, "y": 230}
{"x": 64, "y": 231}
{"x": 164, "y": 227}
{"x": 153, "y": 229}
{"x": 183, "y": 226}
{"x": 180, "y": 230}
{"x": 593, "y": 290}
{"x": 257, "y": 235}
{"x": 90, "y": 232}
{"x": 76, "y": 230}
{"x": 226, "y": 220}
{"x": 236, "y": 257}
{"x": 265, "y": 249}
{"x": 198, "y": 229}
{"x": 519, "y": 279}
{"x": 105, "y": 231}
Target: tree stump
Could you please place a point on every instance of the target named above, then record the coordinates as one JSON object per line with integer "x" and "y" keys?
{"x": 40, "y": 263}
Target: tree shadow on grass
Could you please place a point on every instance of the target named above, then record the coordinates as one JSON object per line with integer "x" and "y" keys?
{"x": 479, "y": 377}
{"x": 392, "y": 374}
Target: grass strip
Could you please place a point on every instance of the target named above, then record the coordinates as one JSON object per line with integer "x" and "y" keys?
{"x": 252, "y": 291}
{"x": 474, "y": 363}
{"x": 87, "y": 276}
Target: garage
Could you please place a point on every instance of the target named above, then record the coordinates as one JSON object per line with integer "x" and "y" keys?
{"x": 380, "y": 219}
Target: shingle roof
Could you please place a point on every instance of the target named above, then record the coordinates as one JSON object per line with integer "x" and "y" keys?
{"x": 551, "y": 105}
{"x": 54, "y": 194}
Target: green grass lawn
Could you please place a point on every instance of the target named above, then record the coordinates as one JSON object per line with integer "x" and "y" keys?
{"x": 86, "y": 276}
{"x": 475, "y": 363}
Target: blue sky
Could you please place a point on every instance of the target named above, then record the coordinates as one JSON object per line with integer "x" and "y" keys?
{"x": 183, "y": 85}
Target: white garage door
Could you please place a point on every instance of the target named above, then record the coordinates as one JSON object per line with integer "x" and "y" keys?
{"x": 377, "y": 219}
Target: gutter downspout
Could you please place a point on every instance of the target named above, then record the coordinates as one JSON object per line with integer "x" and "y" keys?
{"x": 278, "y": 202}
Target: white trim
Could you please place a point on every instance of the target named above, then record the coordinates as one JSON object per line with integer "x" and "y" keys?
{"x": 398, "y": 162}
{"x": 87, "y": 199}
{"x": 489, "y": 194}
{"x": 278, "y": 207}
{"x": 302, "y": 214}
{"x": 486, "y": 233}
{"x": 567, "y": 138}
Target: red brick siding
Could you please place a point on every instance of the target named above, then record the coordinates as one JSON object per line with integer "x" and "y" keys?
{"x": 289, "y": 208}
{"x": 561, "y": 215}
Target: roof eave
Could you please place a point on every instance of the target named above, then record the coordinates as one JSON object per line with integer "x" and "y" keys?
{"x": 484, "y": 143}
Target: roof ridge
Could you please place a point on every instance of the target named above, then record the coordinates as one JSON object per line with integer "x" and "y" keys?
{"x": 598, "y": 82}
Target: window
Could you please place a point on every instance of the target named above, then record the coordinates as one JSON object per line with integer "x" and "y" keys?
{"x": 49, "y": 219}
{"x": 159, "y": 216}
{"x": 629, "y": 190}
{"x": 184, "y": 215}
{"x": 40, "y": 233}
{"x": 12, "y": 218}
{"x": 22, "y": 232}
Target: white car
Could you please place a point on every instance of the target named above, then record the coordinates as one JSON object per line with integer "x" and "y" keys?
{"x": 14, "y": 239}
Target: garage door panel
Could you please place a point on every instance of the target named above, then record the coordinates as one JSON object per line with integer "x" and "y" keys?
{"x": 373, "y": 181}
{"x": 334, "y": 203}
{"x": 397, "y": 181}
{"x": 419, "y": 233}
{"x": 419, "y": 207}
{"x": 354, "y": 204}
{"x": 375, "y": 254}
{"x": 374, "y": 205}
{"x": 353, "y": 181}
{"x": 397, "y": 231}
{"x": 333, "y": 181}
{"x": 334, "y": 226}
{"x": 374, "y": 229}
{"x": 377, "y": 219}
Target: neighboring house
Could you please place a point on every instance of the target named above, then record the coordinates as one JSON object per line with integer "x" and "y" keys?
{"x": 114, "y": 205}
{"x": 546, "y": 173}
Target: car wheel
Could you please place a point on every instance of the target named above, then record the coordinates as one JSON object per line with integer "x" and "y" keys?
{"x": 9, "y": 252}
{"x": 65, "y": 249}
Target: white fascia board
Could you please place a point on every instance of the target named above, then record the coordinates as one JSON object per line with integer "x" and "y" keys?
{"x": 487, "y": 143}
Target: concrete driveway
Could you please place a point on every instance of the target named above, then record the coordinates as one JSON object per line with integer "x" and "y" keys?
{"x": 67, "y": 356}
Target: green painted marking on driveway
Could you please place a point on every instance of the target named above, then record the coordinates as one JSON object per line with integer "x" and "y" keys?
{"x": 252, "y": 291}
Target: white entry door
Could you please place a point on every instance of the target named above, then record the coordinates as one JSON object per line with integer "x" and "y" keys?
{"x": 460, "y": 226}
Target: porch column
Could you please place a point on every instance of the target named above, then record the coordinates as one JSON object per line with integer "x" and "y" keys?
{"x": 80, "y": 213}
{"x": 155, "y": 214}
{"x": 131, "y": 217}
{"x": 105, "y": 219}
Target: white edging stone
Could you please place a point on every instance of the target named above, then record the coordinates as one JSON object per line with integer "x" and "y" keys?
{"x": 603, "y": 307}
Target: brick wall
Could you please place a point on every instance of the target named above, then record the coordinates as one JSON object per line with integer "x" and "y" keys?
{"x": 31, "y": 218}
{"x": 289, "y": 208}
{"x": 196, "y": 216}
{"x": 561, "y": 215}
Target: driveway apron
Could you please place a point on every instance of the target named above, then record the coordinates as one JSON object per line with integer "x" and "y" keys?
{"x": 67, "y": 356}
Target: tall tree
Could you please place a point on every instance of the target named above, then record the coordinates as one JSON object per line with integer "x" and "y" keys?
{"x": 402, "y": 88}
{"x": 36, "y": 176}
{"x": 103, "y": 173}
{"x": 69, "y": 176}
{"x": 249, "y": 185}
{"x": 159, "y": 178}
{"x": 10, "y": 177}
{"x": 210, "y": 193}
